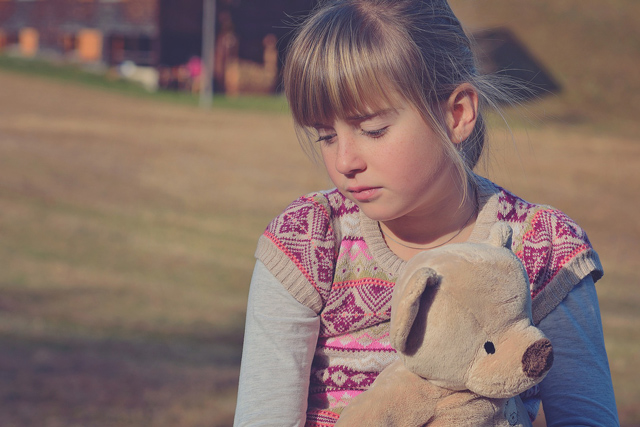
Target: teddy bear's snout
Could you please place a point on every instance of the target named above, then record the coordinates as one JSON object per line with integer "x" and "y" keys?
{"x": 538, "y": 358}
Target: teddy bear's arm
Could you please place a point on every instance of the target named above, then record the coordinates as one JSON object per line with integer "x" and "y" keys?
{"x": 467, "y": 409}
{"x": 397, "y": 397}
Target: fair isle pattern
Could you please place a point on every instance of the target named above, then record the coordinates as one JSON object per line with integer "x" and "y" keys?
{"x": 320, "y": 236}
{"x": 304, "y": 234}
{"x": 351, "y": 361}
{"x": 356, "y": 304}
{"x": 363, "y": 341}
{"x": 361, "y": 291}
{"x": 322, "y": 419}
{"x": 341, "y": 378}
{"x": 345, "y": 366}
{"x": 354, "y": 343}
{"x": 331, "y": 400}
{"x": 545, "y": 239}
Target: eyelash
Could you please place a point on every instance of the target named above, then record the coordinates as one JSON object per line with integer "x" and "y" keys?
{"x": 325, "y": 138}
{"x": 378, "y": 133}
{"x": 375, "y": 134}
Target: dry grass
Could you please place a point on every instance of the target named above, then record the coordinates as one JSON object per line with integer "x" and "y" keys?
{"x": 589, "y": 46}
{"x": 127, "y": 231}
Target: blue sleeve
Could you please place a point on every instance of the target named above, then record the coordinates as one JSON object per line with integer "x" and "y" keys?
{"x": 279, "y": 344}
{"x": 578, "y": 390}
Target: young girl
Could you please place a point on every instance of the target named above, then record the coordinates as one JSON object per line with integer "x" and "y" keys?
{"x": 390, "y": 96}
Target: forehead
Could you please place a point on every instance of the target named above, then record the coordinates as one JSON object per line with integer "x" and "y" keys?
{"x": 369, "y": 111}
{"x": 323, "y": 101}
{"x": 333, "y": 72}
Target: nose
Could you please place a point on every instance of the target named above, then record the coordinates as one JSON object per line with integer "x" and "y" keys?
{"x": 349, "y": 160}
{"x": 538, "y": 358}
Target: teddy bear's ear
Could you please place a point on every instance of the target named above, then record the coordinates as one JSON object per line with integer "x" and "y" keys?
{"x": 408, "y": 306}
{"x": 500, "y": 235}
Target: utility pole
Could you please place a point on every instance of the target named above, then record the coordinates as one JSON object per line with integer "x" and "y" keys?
{"x": 208, "y": 48}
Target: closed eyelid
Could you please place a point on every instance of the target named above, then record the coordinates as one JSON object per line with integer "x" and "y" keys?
{"x": 379, "y": 125}
{"x": 375, "y": 126}
{"x": 324, "y": 133}
{"x": 375, "y": 133}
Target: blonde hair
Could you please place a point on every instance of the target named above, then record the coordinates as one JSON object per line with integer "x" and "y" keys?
{"x": 350, "y": 55}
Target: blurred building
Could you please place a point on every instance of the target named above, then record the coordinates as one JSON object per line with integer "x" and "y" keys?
{"x": 159, "y": 42}
{"x": 161, "y": 34}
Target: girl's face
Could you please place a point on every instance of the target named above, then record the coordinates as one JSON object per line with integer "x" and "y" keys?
{"x": 391, "y": 163}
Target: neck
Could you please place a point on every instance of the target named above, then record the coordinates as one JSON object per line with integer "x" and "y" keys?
{"x": 450, "y": 221}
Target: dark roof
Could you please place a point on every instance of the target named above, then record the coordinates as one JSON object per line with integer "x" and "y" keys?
{"x": 499, "y": 51}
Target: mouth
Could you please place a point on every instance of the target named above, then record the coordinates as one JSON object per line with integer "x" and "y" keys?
{"x": 363, "y": 194}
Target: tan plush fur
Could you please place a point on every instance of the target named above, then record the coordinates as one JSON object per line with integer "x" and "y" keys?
{"x": 461, "y": 324}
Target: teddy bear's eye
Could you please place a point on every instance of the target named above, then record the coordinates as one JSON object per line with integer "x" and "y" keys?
{"x": 489, "y": 347}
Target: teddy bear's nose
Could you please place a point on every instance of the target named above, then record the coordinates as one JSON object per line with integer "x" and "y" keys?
{"x": 538, "y": 358}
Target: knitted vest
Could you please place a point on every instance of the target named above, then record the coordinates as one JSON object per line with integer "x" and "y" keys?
{"x": 333, "y": 259}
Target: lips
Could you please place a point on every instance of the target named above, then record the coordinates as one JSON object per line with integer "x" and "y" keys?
{"x": 363, "y": 194}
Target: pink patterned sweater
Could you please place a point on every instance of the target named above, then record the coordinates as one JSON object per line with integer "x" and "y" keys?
{"x": 333, "y": 259}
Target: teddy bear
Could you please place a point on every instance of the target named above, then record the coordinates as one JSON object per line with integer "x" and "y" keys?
{"x": 461, "y": 326}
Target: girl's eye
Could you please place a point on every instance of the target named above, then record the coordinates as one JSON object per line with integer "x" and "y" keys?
{"x": 377, "y": 133}
{"x": 325, "y": 138}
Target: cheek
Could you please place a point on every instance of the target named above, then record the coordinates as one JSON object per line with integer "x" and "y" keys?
{"x": 418, "y": 158}
{"x": 329, "y": 162}
{"x": 423, "y": 169}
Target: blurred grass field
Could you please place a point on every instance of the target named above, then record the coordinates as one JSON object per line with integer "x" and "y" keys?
{"x": 127, "y": 231}
{"x": 126, "y": 235}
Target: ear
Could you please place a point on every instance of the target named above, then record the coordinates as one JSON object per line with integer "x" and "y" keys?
{"x": 408, "y": 306}
{"x": 500, "y": 235}
{"x": 461, "y": 112}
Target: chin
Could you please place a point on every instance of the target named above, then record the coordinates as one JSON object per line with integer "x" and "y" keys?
{"x": 375, "y": 213}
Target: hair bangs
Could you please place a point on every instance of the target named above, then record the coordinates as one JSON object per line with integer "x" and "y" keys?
{"x": 335, "y": 71}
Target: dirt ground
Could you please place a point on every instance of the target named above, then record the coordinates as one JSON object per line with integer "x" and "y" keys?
{"x": 127, "y": 230}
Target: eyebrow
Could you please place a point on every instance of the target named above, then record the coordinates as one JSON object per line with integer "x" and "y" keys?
{"x": 364, "y": 117}
{"x": 359, "y": 117}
